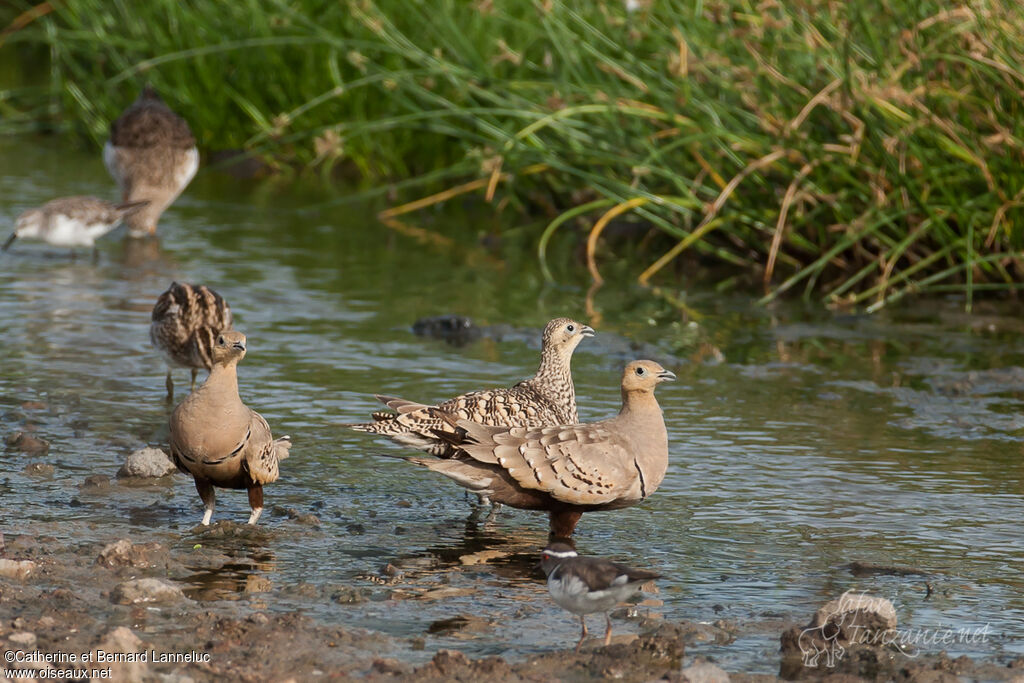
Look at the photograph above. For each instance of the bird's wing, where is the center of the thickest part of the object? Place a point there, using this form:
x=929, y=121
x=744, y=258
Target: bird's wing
x=580, y=464
x=263, y=452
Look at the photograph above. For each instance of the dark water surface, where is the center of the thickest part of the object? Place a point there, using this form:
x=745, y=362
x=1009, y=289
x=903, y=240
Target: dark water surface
x=820, y=441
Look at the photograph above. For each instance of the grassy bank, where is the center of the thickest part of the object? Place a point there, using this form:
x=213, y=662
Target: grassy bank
x=850, y=151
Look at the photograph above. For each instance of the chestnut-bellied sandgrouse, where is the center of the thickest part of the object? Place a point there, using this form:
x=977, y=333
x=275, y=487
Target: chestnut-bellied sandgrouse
x=546, y=398
x=585, y=585
x=220, y=441
x=185, y=324
x=71, y=221
x=566, y=469
x=152, y=155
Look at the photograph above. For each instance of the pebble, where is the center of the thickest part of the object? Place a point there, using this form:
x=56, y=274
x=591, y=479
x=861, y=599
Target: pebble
x=27, y=443
x=16, y=569
x=95, y=482
x=145, y=590
x=124, y=553
x=147, y=463
x=349, y=595
x=24, y=639
x=705, y=672
x=39, y=469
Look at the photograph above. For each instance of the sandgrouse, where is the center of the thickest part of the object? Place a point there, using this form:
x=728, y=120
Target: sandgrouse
x=152, y=155
x=186, y=322
x=71, y=221
x=546, y=398
x=584, y=585
x=566, y=469
x=220, y=441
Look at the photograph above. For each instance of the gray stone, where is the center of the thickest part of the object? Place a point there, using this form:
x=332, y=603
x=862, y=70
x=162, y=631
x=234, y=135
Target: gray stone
x=139, y=591
x=124, y=553
x=146, y=463
x=705, y=672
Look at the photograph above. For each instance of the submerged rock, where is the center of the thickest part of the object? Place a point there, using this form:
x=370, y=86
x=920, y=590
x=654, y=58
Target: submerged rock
x=147, y=463
x=845, y=635
x=39, y=469
x=139, y=591
x=705, y=672
x=94, y=483
x=27, y=443
x=457, y=330
x=124, y=553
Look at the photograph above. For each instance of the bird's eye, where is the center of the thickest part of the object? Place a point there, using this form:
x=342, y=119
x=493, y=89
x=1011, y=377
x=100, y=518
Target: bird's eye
x=640, y=371
x=571, y=328
x=220, y=341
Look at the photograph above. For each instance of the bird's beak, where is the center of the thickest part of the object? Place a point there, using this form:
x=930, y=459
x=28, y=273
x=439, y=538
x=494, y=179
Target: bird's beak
x=587, y=331
x=239, y=345
x=10, y=239
x=667, y=376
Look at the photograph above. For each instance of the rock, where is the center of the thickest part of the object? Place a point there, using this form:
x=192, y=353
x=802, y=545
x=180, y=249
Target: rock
x=139, y=591
x=460, y=623
x=95, y=482
x=254, y=583
x=304, y=519
x=39, y=469
x=457, y=330
x=23, y=639
x=124, y=553
x=705, y=672
x=16, y=569
x=147, y=463
x=121, y=639
x=349, y=595
x=446, y=592
x=851, y=621
x=27, y=443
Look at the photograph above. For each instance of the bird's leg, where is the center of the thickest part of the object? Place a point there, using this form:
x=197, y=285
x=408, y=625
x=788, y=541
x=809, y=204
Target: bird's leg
x=170, y=386
x=583, y=635
x=192, y=387
x=255, y=502
x=608, y=633
x=206, y=492
x=95, y=254
x=563, y=523
x=493, y=514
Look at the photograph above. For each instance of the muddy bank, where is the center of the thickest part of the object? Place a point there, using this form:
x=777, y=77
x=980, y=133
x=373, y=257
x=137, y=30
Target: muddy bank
x=132, y=608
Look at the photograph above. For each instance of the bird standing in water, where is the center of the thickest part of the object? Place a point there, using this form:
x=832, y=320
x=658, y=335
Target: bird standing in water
x=585, y=585
x=152, y=155
x=219, y=440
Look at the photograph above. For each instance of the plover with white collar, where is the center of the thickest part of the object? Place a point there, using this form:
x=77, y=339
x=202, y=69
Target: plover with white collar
x=585, y=585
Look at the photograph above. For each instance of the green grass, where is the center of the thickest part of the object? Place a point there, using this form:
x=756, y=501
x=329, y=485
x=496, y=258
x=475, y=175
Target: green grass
x=852, y=152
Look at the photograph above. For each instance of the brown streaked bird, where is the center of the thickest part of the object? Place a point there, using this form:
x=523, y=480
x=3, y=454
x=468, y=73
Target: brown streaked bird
x=185, y=324
x=566, y=469
x=585, y=585
x=152, y=155
x=219, y=440
x=71, y=221
x=546, y=398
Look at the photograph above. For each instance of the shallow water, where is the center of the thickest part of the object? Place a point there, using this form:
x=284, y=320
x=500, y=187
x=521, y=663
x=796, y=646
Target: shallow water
x=821, y=440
